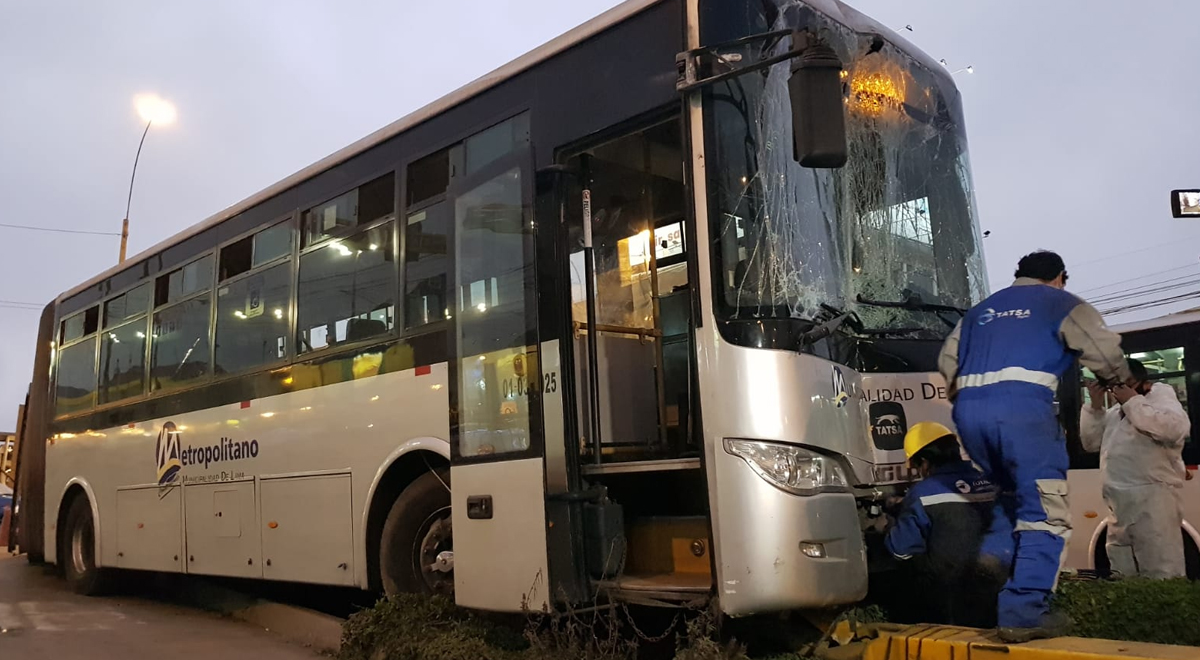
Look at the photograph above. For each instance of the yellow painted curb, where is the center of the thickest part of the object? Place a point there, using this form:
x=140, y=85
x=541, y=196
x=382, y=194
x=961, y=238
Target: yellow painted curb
x=952, y=643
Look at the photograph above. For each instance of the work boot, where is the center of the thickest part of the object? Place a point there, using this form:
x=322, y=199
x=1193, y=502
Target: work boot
x=1052, y=624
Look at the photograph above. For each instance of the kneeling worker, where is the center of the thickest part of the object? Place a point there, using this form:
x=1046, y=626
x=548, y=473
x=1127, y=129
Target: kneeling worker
x=950, y=532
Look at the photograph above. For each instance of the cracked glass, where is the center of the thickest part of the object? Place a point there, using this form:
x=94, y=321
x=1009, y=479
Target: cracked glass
x=896, y=223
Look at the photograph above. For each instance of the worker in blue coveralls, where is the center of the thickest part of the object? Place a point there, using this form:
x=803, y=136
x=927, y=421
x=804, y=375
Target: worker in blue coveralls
x=949, y=534
x=1002, y=364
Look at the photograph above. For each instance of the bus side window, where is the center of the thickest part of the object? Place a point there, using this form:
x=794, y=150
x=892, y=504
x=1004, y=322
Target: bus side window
x=180, y=343
x=123, y=345
x=75, y=384
x=359, y=207
x=426, y=241
x=252, y=320
x=75, y=372
x=1072, y=397
x=256, y=251
x=347, y=290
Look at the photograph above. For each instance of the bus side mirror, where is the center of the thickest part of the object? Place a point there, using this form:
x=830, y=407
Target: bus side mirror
x=1185, y=203
x=818, y=111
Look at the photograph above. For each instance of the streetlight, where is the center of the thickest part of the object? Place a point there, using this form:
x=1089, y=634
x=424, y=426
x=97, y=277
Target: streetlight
x=153, y=109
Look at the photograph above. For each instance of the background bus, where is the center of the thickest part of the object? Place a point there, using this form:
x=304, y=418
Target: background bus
x=586, y=324
x=1168, y=346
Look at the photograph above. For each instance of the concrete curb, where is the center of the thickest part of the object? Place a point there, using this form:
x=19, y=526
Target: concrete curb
x=316, y=630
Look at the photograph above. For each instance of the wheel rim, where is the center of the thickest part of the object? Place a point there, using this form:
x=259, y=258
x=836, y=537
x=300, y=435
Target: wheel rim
x=434, y=538
x=81, y=548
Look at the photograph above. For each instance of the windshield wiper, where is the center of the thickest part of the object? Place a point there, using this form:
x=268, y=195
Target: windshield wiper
x=836, y=319
x=901, y=332
x=913, y=303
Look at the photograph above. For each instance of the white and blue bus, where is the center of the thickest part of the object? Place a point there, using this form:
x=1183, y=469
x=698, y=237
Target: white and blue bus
x=645, y=312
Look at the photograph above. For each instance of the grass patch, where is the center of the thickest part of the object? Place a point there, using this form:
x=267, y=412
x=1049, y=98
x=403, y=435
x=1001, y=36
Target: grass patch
x=1135, y=610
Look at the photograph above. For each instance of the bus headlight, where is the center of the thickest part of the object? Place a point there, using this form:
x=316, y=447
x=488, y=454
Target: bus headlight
x=790, y=468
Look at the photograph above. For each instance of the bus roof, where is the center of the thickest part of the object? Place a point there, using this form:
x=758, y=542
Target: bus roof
x=1178, y=318
x=479, y=85
x=835, y=9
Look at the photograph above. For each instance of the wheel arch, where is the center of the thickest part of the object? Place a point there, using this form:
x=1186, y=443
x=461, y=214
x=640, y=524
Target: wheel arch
x=76, y=487
x=1192, y=558
x=1095, y=542
x=403, y=466
x=1100, y=535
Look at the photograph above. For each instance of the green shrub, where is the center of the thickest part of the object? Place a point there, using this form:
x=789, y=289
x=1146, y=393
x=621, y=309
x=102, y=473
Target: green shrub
x=1136, y=610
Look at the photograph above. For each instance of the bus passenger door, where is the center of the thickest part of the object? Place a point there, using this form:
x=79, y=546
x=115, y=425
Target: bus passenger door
x=497, y=476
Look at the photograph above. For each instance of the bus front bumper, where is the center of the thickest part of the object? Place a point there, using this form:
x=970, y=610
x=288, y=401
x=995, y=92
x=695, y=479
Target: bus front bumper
x=779, y=551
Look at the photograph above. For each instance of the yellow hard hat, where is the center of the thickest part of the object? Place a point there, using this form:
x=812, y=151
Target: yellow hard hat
x=922, y=435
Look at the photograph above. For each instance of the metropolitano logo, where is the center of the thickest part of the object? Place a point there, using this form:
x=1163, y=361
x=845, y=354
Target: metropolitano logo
x=167, y=454
x=841, y=395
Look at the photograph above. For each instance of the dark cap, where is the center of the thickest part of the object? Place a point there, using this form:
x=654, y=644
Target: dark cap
x=1041, y=265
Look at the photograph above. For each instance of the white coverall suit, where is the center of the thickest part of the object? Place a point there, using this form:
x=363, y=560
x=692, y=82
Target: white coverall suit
x=1140, y=444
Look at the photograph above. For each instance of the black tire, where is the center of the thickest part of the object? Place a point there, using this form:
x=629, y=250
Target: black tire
x=416, y=531
x=77, y=551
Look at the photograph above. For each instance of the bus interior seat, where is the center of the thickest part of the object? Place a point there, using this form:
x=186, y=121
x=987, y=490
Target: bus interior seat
x=364, y=328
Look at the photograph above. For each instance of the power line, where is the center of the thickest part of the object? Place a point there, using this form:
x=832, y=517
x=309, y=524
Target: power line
x=18, y=302
x=1151, y=303
x=61, y=231
x=1122, y=254
x=1146, y=289
x=1127, y=280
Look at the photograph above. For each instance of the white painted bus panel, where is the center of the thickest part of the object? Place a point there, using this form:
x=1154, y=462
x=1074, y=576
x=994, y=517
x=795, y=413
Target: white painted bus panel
x=149, y=528
x=357, y=427
x=1089, y=512
x=500, y=563
x=222, y=529
x=307, y=529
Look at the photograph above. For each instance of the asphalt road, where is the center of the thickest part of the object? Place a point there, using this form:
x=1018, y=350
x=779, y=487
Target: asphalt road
x=41, y=618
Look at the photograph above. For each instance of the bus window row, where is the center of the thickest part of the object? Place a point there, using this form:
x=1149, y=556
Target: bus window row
x=232, y=311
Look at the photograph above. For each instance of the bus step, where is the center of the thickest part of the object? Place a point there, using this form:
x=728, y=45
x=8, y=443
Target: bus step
x=629, y=467
x=688, y=583
x=688, y=590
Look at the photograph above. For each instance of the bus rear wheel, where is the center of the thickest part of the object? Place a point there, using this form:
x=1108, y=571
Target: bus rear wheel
x=416, y=548
x=77, y=552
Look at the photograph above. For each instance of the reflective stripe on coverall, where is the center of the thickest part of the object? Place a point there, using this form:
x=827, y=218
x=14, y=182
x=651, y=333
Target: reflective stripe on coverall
x=1140, y=446
x=1002, y=364
x=958, y=545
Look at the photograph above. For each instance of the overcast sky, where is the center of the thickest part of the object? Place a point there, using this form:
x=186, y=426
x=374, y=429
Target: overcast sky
x=1081, y=116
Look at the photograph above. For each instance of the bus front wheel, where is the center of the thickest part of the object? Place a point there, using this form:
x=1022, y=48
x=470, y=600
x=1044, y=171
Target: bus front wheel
x=77, y=552
x=416, y=548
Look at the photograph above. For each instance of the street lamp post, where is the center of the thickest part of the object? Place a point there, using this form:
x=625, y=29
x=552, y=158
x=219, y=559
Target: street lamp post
x=151, y=108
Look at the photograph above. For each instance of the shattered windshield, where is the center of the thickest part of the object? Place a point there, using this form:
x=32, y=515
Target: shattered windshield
x=896, y=223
